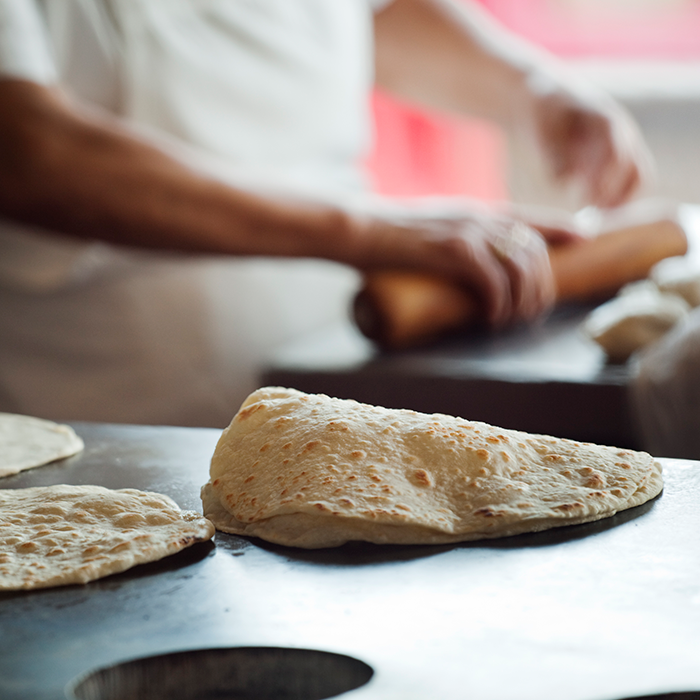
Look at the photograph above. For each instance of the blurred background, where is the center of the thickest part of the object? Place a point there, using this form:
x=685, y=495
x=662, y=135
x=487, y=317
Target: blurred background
x=646, y=53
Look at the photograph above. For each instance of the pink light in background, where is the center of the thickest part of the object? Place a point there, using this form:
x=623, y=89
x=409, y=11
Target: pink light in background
x=620, y=28
x=422, y=154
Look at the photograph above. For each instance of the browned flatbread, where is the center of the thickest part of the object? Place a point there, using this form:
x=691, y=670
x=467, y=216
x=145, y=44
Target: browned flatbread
x=313, y=471
x=58, y=535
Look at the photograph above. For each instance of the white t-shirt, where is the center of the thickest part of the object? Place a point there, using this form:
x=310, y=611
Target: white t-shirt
x=268, y=92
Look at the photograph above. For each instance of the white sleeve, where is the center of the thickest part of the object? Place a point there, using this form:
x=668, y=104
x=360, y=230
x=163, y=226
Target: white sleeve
x=24, y=48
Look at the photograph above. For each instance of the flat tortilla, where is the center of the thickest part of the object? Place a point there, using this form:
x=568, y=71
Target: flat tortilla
x=27, y=442
x=59, y=535
x=312, y=471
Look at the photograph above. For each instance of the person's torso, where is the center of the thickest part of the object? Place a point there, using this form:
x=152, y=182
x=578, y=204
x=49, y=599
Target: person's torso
x=266, y=93
x=276, y=87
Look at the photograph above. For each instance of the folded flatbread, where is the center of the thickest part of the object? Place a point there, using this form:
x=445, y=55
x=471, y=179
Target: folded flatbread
x=58, y=535
x=27, y=442
x=314, y=471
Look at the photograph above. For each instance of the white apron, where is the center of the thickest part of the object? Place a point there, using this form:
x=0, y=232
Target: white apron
x=268, y=92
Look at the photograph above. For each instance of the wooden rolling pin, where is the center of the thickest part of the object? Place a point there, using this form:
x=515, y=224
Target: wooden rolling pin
x=399, y=309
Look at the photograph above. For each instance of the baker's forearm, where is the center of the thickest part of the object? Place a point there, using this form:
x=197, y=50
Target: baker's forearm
x=450, y=56
x=88, y=177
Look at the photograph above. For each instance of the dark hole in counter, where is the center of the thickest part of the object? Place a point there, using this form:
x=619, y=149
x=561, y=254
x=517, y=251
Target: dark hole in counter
x=237, y=673
x=687, y=695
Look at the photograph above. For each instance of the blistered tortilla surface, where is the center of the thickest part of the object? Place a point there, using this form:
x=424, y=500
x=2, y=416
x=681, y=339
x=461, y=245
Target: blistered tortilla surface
x=60, y=535
x=313, y=471
x=27, y=442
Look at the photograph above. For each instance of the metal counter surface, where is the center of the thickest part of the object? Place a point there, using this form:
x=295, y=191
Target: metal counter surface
x=592, y=612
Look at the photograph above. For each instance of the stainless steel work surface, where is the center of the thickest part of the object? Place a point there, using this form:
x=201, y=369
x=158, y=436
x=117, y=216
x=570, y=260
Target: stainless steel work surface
x=591, y=612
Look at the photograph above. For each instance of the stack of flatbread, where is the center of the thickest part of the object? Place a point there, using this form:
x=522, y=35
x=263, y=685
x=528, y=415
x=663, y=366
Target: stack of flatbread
x=314, y=471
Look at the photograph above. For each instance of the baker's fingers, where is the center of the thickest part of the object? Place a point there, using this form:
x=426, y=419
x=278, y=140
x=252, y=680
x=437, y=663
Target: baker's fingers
x=502, y=261
x=556, y=226
x=480, y=269
x=589, y=138
x=523, y=254
x=613, y=159
x=532, y=284
x=556, y=236
x=614, y=179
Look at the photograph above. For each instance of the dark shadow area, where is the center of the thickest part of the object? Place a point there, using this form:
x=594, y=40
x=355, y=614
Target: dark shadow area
x=239, y=673
x=186, y=557
x=688, y=695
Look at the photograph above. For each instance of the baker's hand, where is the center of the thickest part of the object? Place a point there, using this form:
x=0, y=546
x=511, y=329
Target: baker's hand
x=587, y=136
x=503, y=261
